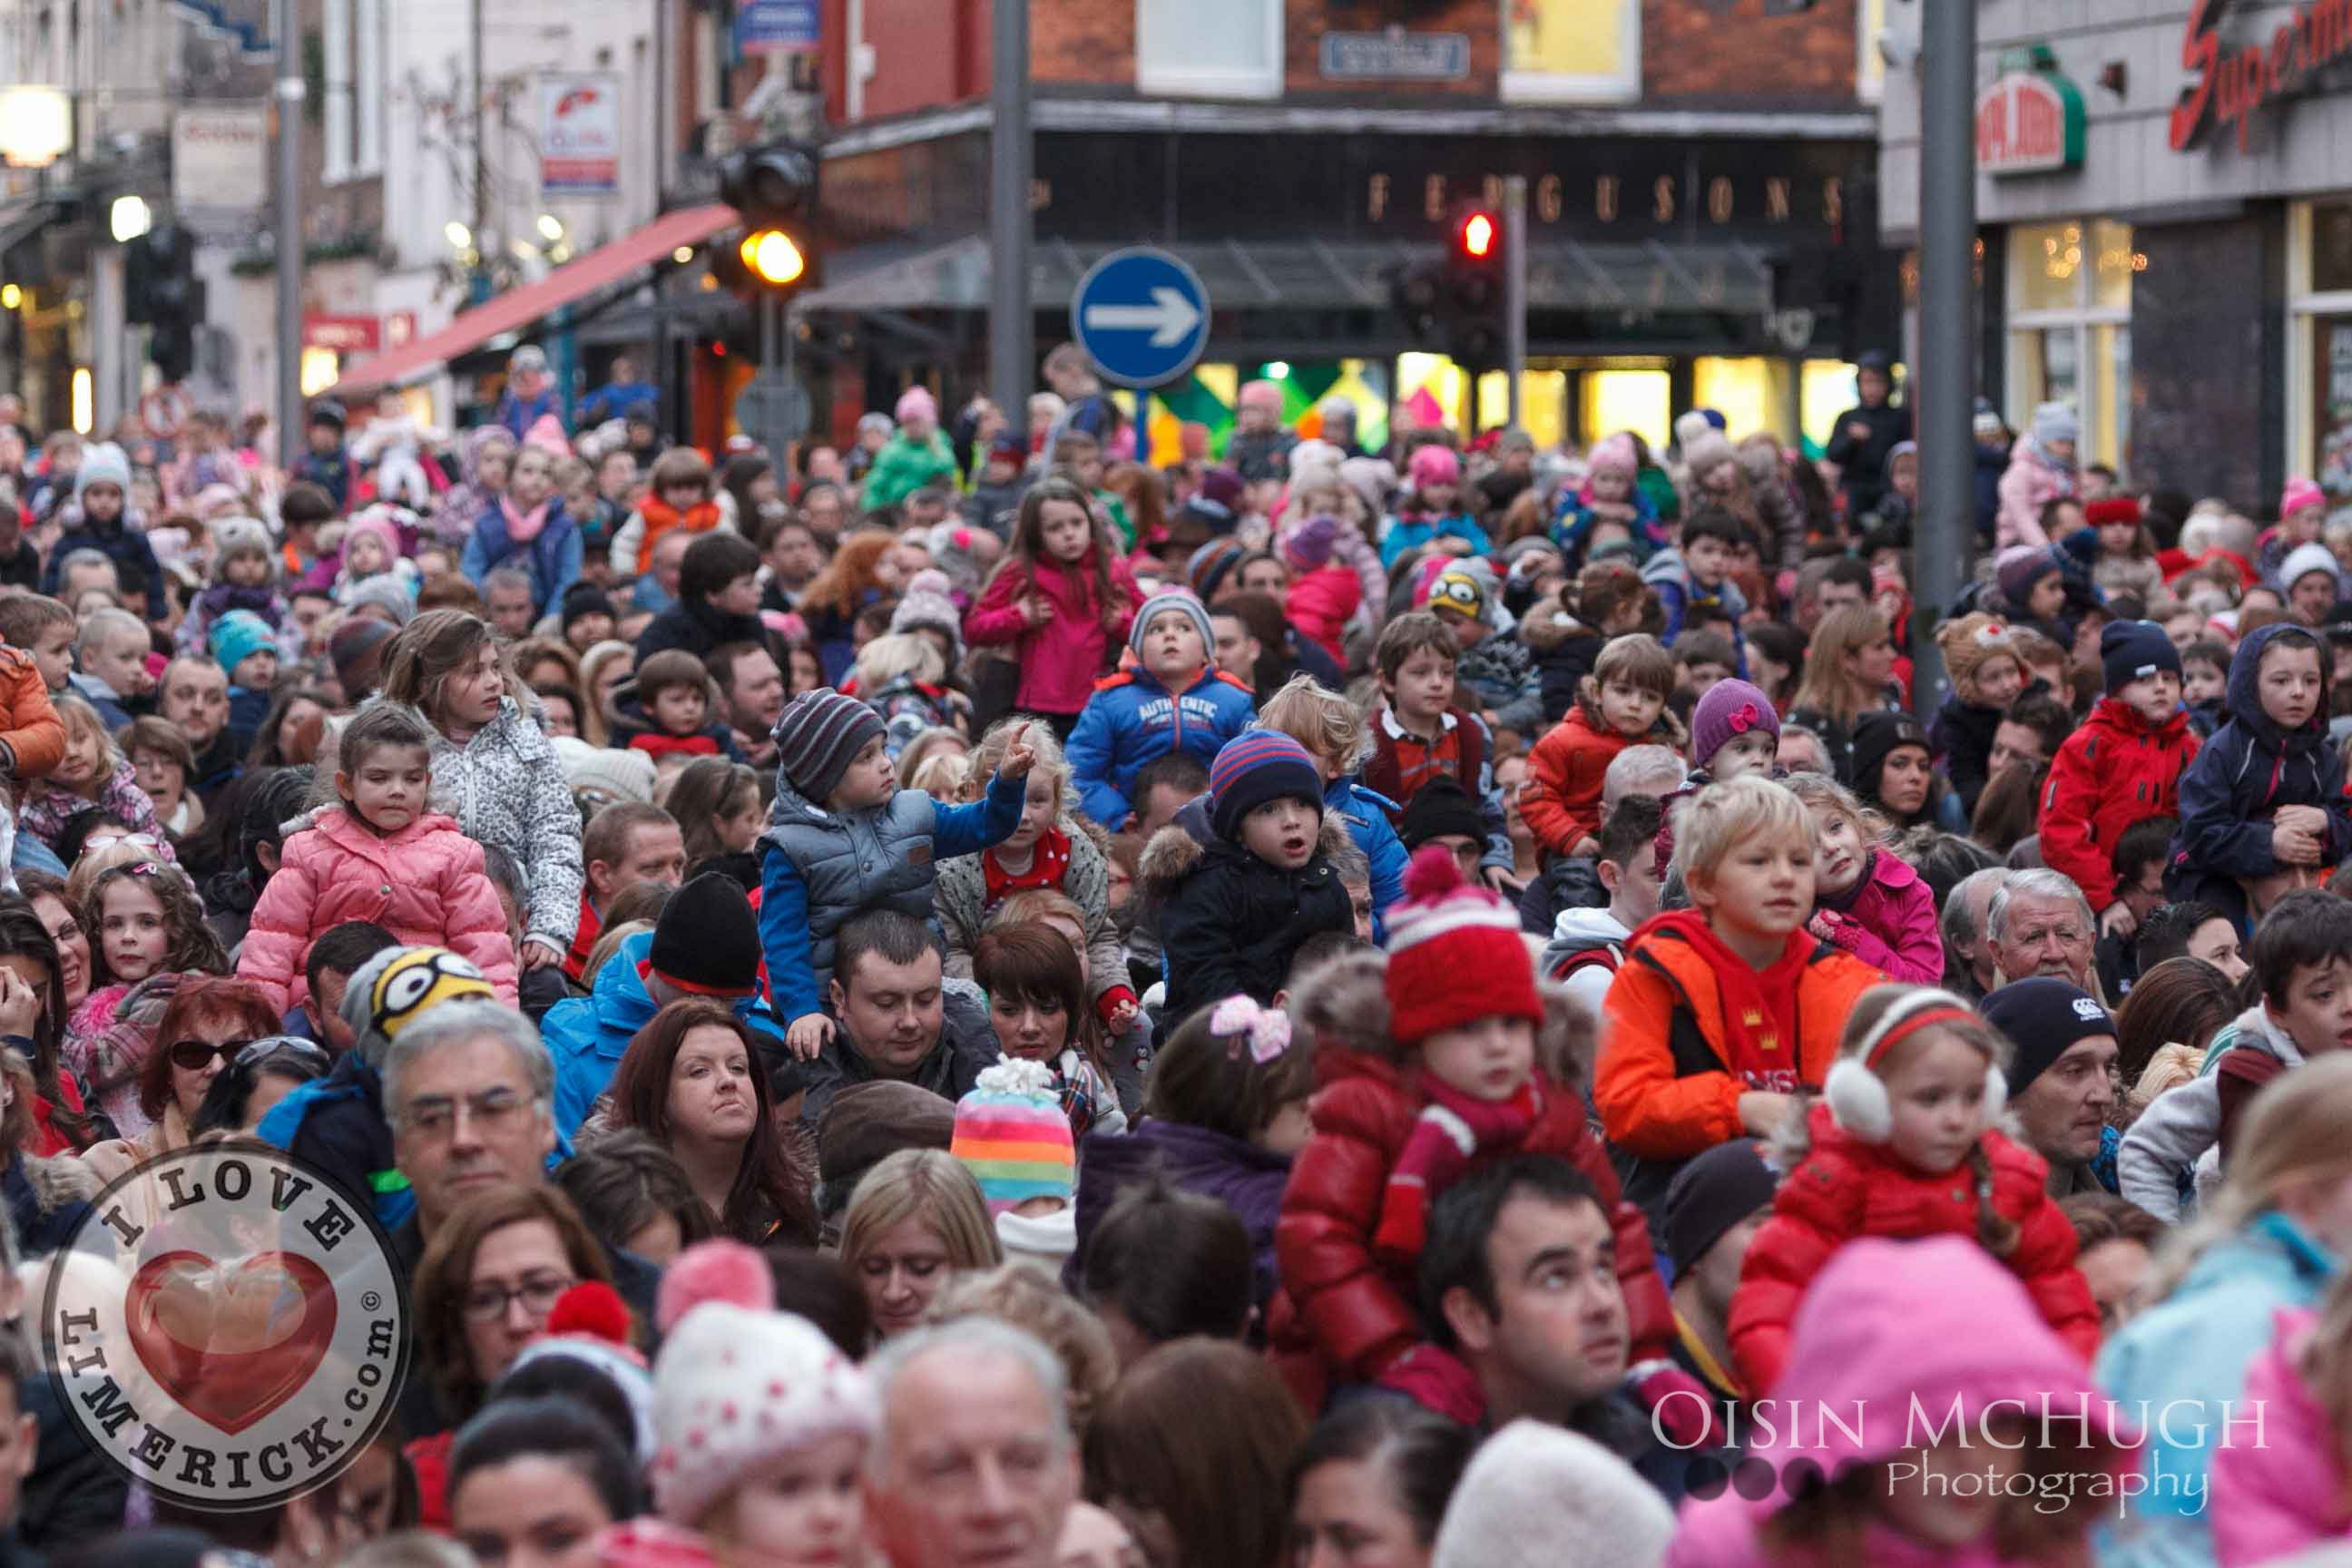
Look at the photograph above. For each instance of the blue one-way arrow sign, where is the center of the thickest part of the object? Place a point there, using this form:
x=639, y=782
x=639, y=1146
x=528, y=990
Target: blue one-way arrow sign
x=1142, y=315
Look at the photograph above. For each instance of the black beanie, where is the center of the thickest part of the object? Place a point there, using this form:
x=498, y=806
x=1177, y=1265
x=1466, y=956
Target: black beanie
x=707, y=939
x=584, y=599
x=1442, y=807
x=2042, y=1018
x=1874, y=736
x=1710, y=1195
x=2129, y=650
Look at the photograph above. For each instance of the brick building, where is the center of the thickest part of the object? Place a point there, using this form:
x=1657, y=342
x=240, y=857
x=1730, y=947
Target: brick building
x=1701, y=176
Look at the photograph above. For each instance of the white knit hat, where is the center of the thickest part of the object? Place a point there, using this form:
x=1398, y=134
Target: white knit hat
x=618, y=775
x=733, y=1389
x=1533, y=1486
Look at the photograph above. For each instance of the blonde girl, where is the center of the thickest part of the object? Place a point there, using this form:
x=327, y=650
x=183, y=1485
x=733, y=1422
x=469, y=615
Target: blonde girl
x=493, y=768
x=2268, y=1241
x=1867, y=899
x=916, y=1221
x=1912, y=1097
x=94, y=772
x=602, y=669
x=1849, y=671
x=1051, y=850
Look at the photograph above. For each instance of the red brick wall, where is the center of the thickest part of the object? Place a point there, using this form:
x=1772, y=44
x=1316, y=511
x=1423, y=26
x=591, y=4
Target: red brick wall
x=1694, y=52
x=1702, y=51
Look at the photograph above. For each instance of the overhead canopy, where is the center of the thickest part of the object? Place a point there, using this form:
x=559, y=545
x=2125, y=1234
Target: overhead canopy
x=1563, y=274
x=519, y=308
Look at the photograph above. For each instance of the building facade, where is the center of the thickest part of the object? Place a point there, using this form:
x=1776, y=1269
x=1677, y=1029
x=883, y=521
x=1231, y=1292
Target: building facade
x=2167, y=231
x=1701, y=177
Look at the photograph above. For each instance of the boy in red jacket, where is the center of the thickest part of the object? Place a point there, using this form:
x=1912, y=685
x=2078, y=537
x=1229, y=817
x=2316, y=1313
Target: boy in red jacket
x=2122, y=766
x=1428, y=1068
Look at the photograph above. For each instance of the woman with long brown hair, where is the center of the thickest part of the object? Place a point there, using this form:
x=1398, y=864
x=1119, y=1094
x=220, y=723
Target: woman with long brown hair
x=493, y=767
x=694, y=1081
x=862, y=571
x=1849, y=671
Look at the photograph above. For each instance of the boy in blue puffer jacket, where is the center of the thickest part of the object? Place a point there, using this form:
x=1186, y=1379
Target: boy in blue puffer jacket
x=842, y=839
x=1174, y=697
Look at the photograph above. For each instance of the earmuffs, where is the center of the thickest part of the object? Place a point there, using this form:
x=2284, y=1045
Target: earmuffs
x=1857, y=1095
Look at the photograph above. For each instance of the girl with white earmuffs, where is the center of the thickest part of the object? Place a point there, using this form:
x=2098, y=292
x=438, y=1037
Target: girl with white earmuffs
x=1902, y=1145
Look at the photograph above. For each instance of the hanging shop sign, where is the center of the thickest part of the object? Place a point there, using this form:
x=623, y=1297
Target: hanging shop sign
x=2030, y=120
x=2233, y=82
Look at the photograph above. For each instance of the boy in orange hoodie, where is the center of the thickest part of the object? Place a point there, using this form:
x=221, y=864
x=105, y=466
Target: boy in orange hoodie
x=1724, y=1015
x=1621, y=702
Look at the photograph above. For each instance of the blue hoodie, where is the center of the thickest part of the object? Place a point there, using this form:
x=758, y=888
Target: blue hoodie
x=2249, y=769
x=587, y=1035
x=1131, y=719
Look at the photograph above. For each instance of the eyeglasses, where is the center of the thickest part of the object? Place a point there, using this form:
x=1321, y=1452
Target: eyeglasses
x=193, y=1056
x=488, y=1303
x=286, y=1045
x=492, y=1111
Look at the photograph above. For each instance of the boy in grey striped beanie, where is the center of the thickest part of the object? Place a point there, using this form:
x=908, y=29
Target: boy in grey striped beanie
x=845, y=840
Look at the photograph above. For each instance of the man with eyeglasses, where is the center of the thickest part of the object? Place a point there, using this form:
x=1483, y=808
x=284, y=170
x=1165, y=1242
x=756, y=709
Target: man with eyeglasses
x=469, y=1091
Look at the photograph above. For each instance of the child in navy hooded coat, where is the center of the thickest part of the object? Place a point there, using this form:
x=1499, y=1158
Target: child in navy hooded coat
x=2272, y=755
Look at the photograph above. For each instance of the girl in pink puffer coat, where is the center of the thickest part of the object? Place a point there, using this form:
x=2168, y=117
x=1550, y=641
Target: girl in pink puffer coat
x=2280, y=1488
x=382, y=857
x=1866, y=899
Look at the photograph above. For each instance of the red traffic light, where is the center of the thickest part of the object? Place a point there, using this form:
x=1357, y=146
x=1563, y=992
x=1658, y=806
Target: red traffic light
x=1478, y=234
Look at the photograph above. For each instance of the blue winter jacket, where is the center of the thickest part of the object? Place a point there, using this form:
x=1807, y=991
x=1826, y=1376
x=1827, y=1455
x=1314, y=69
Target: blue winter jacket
x=2239, y=778
x=586, y=1035
x=2174, y=1368
x=1366, y=812
x=552, y=559
x=793, y=950
x=1670, y=575
x=1412, y=533
x=1131, y=719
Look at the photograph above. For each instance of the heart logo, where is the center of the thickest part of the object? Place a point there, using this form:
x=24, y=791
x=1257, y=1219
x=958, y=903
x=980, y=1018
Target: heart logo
x=231, y=1342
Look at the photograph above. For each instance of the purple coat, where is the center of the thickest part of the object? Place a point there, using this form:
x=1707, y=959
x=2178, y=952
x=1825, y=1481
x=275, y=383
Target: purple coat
x=1240, y=1175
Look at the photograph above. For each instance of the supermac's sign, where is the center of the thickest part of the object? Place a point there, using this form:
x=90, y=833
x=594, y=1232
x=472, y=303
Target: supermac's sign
x=2230, y=83
x=2030, y=122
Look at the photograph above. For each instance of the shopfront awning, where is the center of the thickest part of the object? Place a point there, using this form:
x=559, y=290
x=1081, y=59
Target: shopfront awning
x=519, y=308
x=1315, y=275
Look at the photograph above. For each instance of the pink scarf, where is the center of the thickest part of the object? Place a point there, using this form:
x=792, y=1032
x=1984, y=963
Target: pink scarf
x=522, y=527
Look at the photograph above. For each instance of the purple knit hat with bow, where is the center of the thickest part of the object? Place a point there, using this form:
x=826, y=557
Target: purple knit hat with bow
x=1729, y=710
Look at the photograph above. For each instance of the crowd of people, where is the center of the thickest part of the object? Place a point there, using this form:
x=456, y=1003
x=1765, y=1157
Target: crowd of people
x=971, y=998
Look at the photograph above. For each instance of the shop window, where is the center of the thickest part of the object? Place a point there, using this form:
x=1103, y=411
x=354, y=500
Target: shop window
x=2070, y=328
x=1869, y=65
x=1641, y=401
x=1543, y=403
x=2319, y=343
x=1825, y=390
x=1209, y=49
x=1571, y=51
x=1751, y=395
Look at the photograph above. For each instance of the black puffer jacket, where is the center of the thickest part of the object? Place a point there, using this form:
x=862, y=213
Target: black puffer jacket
x=1231, y=924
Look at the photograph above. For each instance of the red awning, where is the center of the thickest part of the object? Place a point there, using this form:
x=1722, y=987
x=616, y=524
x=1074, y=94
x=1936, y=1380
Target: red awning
x=518, y=308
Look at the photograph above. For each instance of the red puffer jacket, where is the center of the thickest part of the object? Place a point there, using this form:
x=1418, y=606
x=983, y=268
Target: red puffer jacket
x=2113, y=772
x=424, y=884
x=1845, y=1188
x=1355, y=1312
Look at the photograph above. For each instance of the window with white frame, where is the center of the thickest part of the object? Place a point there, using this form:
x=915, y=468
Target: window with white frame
x=1571, y=51
x=2319, y=343
x=2070, y=327
x=1209, y=49
x=351, y=37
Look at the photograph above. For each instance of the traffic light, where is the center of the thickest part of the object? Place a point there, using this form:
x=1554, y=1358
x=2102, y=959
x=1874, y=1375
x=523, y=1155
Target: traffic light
x=160, y=291
x=1474, y=290
x=775, y=189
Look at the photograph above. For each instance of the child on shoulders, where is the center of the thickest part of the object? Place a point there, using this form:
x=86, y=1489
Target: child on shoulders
x=1622, y=703
x=667, y=714
x=2124, y=766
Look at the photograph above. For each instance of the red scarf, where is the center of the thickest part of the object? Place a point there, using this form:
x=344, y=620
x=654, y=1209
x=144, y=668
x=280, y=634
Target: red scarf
x=1760, y=1007
x=1433, y=1159
x=667, y=745
x=1048, y=860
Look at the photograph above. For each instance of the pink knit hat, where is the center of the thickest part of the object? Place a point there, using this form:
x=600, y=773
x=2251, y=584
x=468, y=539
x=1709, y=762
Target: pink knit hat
x=917, y=402
x=1434, y=465
x=2299, y=493
x=1614, y=453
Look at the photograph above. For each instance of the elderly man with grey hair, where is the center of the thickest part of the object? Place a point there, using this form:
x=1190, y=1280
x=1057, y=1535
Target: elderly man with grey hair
x=1968, y=967
x=975, y=1462
x=2040, y=923
x=469, y=1091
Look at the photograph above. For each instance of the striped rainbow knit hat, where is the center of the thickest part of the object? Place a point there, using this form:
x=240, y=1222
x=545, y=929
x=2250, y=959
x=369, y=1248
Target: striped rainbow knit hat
x=1013, y=1134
